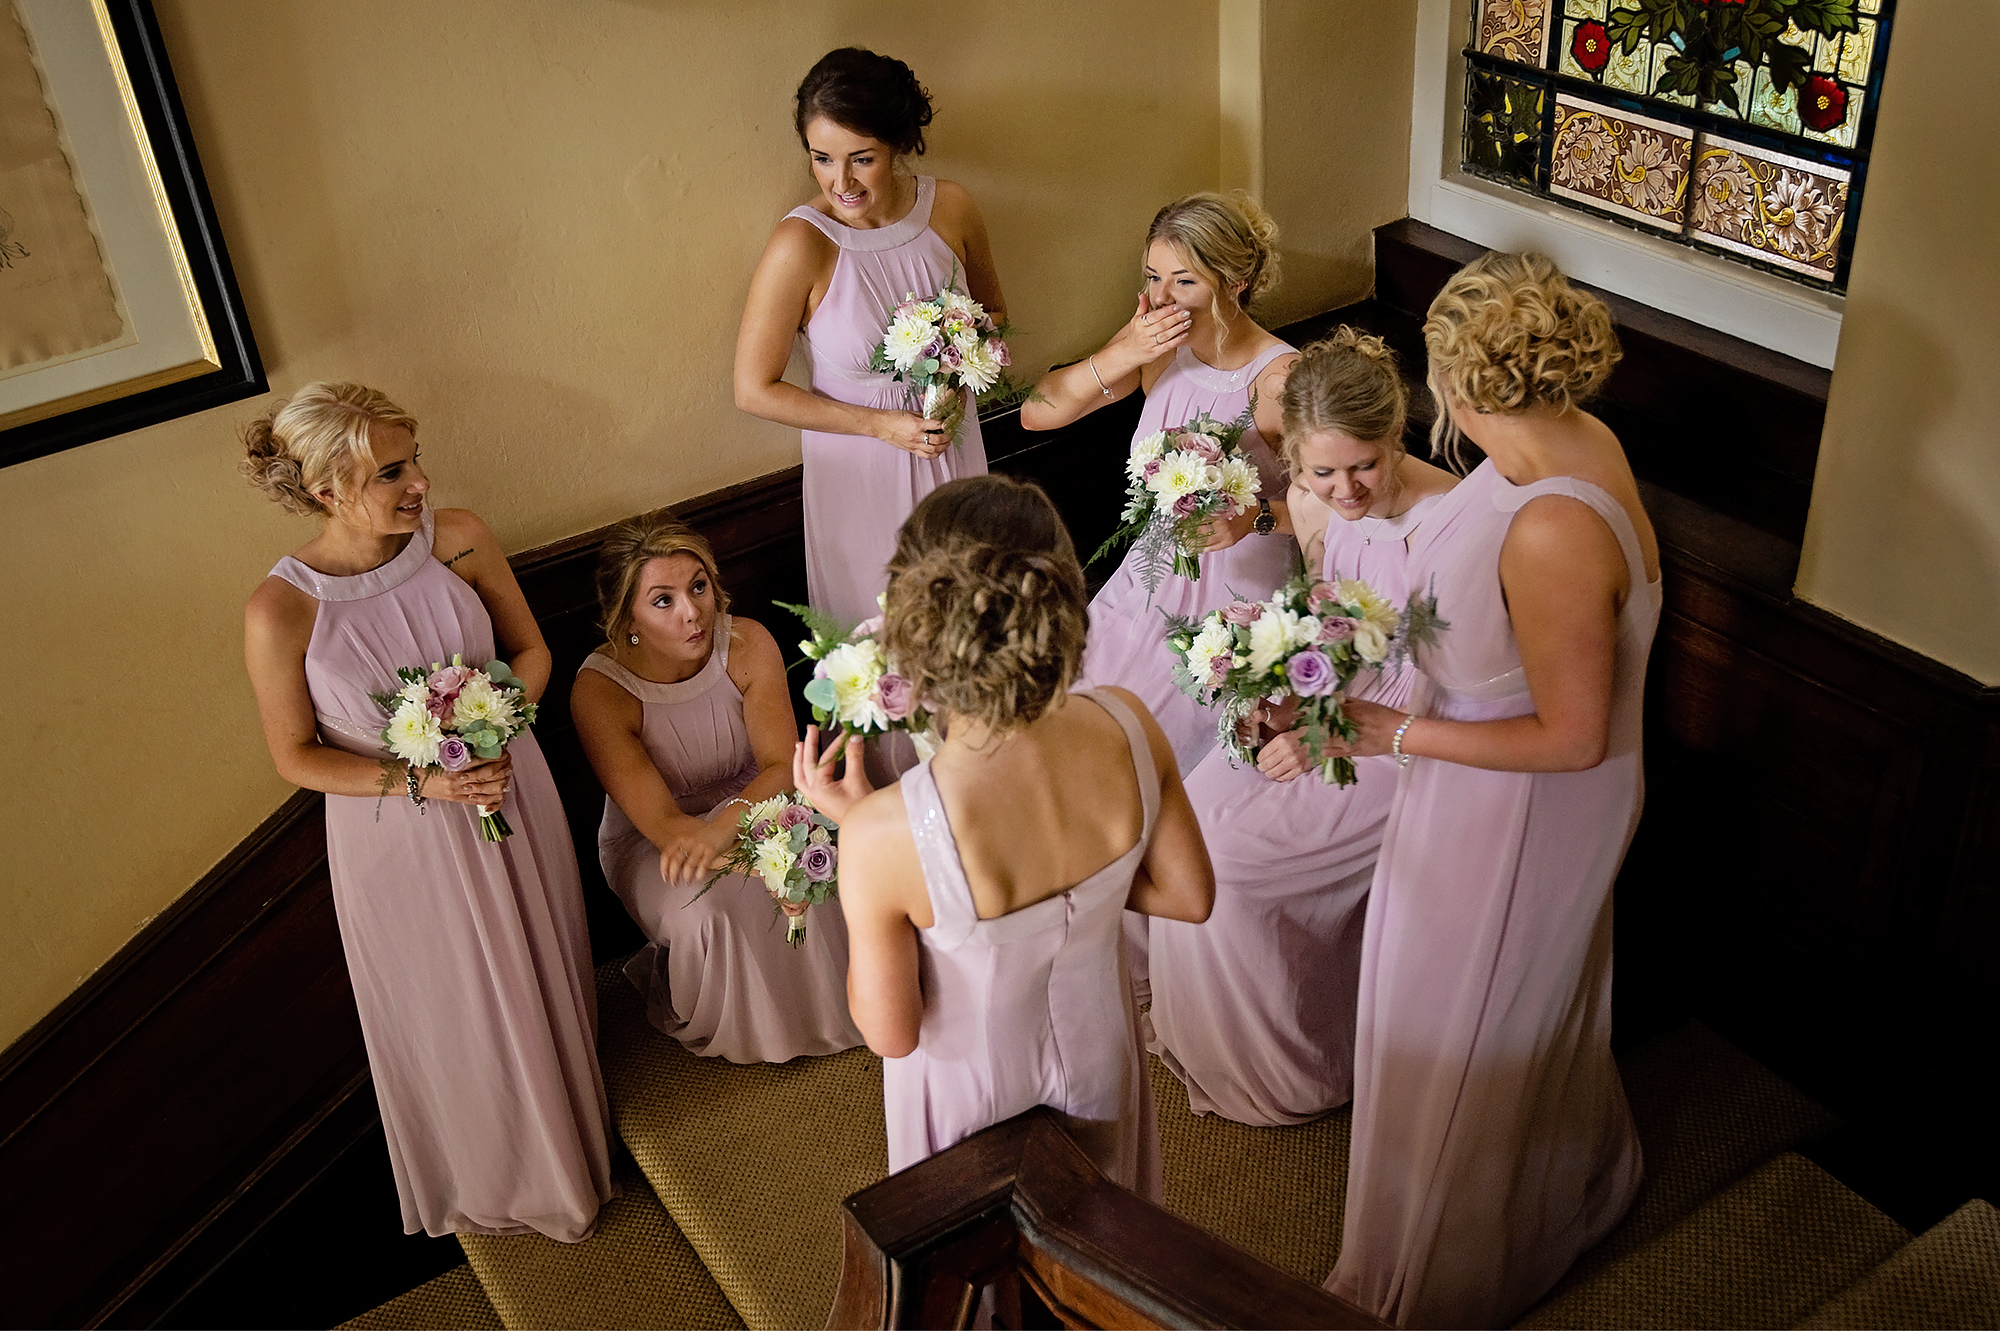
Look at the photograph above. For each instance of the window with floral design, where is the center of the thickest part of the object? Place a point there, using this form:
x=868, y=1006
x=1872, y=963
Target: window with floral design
x=1739, y=126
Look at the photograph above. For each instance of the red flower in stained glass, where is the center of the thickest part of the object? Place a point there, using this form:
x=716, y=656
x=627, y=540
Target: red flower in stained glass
x=1822, y=103
x=1591, y=46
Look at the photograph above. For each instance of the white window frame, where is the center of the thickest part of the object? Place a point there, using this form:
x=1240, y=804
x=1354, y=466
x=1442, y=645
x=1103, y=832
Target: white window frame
x=1799, y=321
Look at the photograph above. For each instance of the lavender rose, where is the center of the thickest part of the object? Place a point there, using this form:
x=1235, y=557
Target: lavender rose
x=454, y=754
x=1187, y=506
x=894, y=691
x=1335, y=628
x=1151, y=469
x=818, y=860
x=1242, y=613
x=1311, y=674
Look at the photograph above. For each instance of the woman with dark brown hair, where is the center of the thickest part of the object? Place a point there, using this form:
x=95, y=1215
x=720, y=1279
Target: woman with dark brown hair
x=984, y=891
x=686, y=717
x=831, y=275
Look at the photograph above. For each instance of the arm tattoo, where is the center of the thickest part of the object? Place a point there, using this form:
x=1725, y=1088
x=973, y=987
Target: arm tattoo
x=455, y=558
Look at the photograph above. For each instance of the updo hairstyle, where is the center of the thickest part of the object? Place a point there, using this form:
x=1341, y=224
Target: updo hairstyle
x=1509, y=333
x=986, y=610
x=317, y=441
x=635, y=543
x=875, y=95
x=1347, y=382
x=1229, y=242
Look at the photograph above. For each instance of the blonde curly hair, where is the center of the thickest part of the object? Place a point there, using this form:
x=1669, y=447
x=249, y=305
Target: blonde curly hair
x=1508, y=333
x=986, y=610
x=1348, y=382
x=1229, y=242
x=317, y=442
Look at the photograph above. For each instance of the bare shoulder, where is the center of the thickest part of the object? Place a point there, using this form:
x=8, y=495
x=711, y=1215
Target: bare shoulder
x=797, y=241
x=879, y=824
x=1156, y=738
x=1423, y=479
x=751, y=646
x=278, y=611
x=595, y=694
x=457, y=525
x=951, y=199
x=1557, y=532
x=1271, y=381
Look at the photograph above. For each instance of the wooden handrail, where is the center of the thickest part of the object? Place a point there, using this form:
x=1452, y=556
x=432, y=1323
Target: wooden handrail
x=1020, y=1204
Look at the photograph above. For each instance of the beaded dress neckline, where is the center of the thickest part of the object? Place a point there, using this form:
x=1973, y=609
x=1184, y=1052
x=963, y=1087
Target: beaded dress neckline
x=906, y=228
x=1224, y=381
x=686, y=690
x=360, y=586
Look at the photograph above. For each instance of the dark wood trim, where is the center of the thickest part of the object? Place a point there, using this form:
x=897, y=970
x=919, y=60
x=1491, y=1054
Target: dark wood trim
x=1021, y=1202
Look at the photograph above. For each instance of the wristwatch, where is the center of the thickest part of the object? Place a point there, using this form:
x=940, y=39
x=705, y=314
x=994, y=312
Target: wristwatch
x=1267, y=521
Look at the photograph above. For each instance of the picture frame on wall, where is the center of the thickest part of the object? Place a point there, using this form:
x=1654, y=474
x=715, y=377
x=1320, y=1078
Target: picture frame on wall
x=118, y=305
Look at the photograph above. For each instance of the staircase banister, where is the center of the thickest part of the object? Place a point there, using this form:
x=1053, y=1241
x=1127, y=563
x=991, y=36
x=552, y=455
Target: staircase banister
x=1021, y=1201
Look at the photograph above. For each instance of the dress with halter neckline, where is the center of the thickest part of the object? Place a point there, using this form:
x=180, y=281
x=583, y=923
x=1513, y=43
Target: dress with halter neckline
x=718, y=974
x=470, y=959
x=859, y=489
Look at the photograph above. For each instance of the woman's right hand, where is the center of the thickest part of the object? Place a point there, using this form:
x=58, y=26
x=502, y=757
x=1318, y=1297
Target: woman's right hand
x=481, y=783
x=912, y=433
x=812, y=774
x=1150, y=334
x=1284, y=757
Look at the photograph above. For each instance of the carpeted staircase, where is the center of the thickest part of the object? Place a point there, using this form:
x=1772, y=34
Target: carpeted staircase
x=731, y=1219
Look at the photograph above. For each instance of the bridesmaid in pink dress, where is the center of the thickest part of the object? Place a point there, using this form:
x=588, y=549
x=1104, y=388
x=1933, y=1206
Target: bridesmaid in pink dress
x=1492, y=1143
x=983, y=892
x=470, y=960
x=1190, y=347
x=686, y=717
x=1254, y=1010
x=830, y=276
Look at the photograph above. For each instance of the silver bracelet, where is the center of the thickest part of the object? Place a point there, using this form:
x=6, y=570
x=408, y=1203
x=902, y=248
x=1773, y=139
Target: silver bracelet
x=414, y=785
x=1091, y=360
x=1396, y=744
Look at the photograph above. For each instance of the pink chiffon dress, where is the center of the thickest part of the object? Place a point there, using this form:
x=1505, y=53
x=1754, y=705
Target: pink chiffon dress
x=1254, y=1009
x=1492, y=1142
x=1028, y=1008
x=1128, y=640
x=718, y=975
x=470, y=959
x=858, y=489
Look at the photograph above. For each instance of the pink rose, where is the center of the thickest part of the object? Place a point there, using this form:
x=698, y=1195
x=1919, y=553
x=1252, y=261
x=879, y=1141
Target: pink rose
x=1151, y=469
x=1187, y=506
x=894, y=691
x=1001, y=355
x=1202, y=447
x=1334, y=628
x=761, y=829
x=952, y=358
x=1320, y=595
x=1218, y=669
x=867, y=628
x=1242, y=613
x=792, y=815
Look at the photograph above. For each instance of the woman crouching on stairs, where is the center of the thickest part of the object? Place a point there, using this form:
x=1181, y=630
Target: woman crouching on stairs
x=984, y=890
x=685, y=715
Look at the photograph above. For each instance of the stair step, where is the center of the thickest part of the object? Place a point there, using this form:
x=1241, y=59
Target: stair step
x=1948, y=1277
x=453, y=1301
x=750, y=1160
x=1274, y=1192
x=636, y=1270
x=1764, y=1253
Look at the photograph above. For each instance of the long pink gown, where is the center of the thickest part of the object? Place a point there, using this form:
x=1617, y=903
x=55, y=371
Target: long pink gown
x=858, y=489
x=1029, y=1008
x=1492, y=1142
x=470, y=959
x=1127, y=632
x=1254, y=1009
x=718, y=975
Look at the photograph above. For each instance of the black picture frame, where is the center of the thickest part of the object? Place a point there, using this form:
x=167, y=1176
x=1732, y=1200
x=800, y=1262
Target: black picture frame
x=240, y=371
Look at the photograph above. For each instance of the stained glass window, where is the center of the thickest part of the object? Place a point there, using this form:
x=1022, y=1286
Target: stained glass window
x=1738, y=126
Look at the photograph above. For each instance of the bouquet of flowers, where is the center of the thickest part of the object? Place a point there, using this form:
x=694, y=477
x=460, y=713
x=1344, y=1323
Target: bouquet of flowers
x=1177, y=480
x=446, y=717
x=939, y=345
x=855, y=686
x=1309, y=640
x=788, y=844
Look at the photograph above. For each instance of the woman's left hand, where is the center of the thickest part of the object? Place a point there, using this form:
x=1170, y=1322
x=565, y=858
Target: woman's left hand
x=1284, y=757
x=1219, y=533
x=812, y=773
x=1377, y=725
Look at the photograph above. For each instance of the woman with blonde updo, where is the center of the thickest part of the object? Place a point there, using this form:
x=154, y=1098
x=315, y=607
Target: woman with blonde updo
x=1191, y=346
x=1254, y=1010
x=983, y=891
x=470, y=960
x=1492, y=1143
x=686, y=716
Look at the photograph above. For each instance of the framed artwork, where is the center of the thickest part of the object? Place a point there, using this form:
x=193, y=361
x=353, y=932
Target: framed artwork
x=118, y=307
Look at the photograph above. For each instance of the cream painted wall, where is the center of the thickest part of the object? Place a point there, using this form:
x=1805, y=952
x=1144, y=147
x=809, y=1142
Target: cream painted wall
x=532, y=222
x=1904, y=534
x=1320, y=130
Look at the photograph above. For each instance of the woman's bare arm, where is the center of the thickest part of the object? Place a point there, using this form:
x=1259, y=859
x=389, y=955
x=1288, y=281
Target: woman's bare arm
x=1175, y=879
